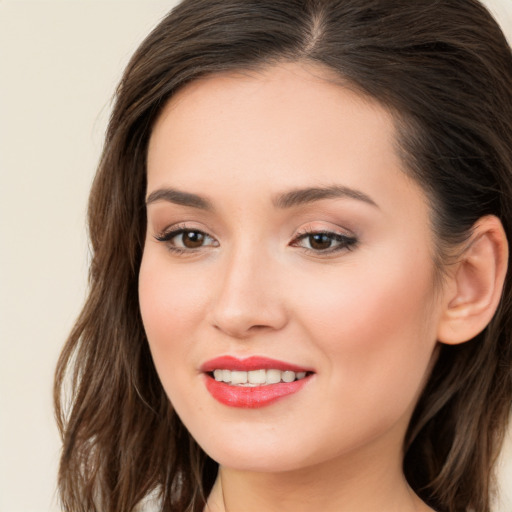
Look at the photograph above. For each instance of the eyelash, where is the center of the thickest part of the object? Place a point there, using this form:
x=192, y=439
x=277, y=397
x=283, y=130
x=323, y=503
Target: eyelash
x=167, y=236
x=344, y=242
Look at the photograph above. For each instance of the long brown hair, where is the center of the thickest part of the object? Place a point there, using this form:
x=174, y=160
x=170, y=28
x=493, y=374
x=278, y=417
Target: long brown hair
x=444, y=70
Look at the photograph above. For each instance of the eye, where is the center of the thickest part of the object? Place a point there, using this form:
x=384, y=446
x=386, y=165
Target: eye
x=324, y=241
x=183, y=239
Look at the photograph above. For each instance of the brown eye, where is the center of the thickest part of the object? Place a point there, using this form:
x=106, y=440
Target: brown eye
x=192, y=239
x=180, y=240
x=325, y=242
x=320, y=241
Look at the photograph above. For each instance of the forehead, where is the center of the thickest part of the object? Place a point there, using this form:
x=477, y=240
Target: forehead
x=290, y=116
x=282, y=127
x=298, y=89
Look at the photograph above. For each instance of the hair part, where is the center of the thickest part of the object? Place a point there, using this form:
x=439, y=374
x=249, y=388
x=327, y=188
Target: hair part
x=444, y=70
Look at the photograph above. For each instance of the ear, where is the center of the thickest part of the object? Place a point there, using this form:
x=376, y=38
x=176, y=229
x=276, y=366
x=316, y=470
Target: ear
x=474, y=286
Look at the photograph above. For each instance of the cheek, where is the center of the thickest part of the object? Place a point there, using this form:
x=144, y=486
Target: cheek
x=171, y=304
x=376, y=326
x=388, y=297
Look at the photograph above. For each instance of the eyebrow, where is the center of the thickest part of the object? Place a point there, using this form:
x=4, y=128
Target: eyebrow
x=178, y=197
x=303, y=196
x=296, y=197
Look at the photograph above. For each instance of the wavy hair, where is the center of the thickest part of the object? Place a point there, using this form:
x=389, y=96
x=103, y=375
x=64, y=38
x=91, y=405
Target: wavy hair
x=444, y=70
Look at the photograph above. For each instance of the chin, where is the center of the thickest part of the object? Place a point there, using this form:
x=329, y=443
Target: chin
x=257, y=461
x=256, y=452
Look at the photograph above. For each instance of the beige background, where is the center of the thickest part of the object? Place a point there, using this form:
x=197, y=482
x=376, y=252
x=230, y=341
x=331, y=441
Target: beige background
x=59, y=64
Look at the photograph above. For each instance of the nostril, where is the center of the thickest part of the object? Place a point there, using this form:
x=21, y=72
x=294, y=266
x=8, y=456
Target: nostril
x=241, y=309
x=259, y=327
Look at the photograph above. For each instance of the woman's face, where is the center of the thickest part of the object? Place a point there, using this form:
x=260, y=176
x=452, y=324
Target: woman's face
x=284, y=241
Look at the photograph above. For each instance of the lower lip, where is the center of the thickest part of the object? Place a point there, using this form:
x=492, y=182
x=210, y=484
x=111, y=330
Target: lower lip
x=252, y=397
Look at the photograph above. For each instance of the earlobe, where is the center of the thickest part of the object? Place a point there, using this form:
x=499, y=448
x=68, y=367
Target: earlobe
x=476, y=283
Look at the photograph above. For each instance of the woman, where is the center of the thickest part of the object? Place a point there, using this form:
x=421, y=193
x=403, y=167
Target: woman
x=299, y=292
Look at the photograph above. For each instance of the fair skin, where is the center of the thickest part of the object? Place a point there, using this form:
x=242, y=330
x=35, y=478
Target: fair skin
x=338, y=281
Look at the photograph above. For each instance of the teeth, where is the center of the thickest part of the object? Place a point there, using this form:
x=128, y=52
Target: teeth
x=238, y=377
x=273, y=376
x=288, y=376
x=256, y=377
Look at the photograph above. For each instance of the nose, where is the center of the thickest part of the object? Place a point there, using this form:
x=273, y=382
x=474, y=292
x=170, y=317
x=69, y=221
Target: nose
x=249, y=297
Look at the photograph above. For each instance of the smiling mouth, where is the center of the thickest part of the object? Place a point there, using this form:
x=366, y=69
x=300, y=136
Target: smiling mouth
x=256, y=378
x=253, y=382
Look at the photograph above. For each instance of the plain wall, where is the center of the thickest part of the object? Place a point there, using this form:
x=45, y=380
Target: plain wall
x=59, y=65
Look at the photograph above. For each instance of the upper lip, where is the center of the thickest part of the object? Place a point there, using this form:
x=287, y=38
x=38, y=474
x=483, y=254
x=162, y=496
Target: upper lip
x=248, y=364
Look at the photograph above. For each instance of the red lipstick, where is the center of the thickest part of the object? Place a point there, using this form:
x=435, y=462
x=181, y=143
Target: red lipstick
x=251, y=397
x=248, y=364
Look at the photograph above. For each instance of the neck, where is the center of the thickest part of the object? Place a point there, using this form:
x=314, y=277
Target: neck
x=352, y=486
